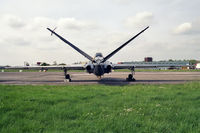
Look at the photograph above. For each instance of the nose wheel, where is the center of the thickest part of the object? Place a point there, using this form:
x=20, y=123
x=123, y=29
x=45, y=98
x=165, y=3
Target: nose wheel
x=130, y=76
x=67, y=76
x=99, y=77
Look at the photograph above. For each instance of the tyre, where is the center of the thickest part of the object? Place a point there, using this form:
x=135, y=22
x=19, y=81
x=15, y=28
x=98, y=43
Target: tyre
x=67, y=76
x=130, y=76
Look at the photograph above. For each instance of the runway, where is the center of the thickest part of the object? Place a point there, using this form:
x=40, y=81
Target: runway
x=114, y=78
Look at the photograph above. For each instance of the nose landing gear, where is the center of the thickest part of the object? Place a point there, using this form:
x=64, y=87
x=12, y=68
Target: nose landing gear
x=99, y=77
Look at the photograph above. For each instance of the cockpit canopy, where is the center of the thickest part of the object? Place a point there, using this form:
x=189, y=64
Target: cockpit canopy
x=98, y=55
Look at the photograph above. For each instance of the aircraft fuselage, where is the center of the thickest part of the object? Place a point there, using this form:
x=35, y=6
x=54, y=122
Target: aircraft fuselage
x=97, y=67
x=98, y=70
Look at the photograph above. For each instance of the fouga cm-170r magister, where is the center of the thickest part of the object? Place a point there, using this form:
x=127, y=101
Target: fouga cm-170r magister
x=98, y=65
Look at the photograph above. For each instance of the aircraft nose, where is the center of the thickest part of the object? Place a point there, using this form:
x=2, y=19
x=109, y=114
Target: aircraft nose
x=98, y=61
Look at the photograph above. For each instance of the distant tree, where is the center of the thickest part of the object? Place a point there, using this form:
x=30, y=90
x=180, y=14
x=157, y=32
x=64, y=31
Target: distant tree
x=75, y=63
x=192, y=62
x=62, y=64
x=26, y=64
x=45, y=64
x=170, y=60
x=54, y=63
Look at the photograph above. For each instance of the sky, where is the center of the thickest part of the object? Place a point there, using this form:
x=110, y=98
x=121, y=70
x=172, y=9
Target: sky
x=98, y=26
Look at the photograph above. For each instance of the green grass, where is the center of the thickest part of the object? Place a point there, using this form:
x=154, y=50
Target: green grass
x=100, y=108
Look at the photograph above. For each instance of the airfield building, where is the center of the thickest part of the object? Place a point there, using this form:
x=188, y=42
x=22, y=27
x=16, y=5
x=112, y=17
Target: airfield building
x=165, y=64
x=148, y=59
x=198, y=66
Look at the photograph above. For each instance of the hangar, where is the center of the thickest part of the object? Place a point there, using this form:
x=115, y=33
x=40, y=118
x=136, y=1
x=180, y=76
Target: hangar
x=162, y=64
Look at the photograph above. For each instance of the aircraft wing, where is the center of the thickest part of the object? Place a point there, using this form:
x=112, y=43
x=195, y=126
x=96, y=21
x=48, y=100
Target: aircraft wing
x=130, y=66
x=2, y=67
x=68, y=67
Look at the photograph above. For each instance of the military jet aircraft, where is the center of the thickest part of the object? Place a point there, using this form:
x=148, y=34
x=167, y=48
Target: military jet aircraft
x=98, y=65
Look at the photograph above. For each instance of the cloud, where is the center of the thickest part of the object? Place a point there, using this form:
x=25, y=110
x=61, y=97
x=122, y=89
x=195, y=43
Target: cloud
x=122, y=1
x=183, y=28
x=74, y=24
x=139, y=20
x=16, y=41
x=37, y=23
x=13, y=21
x=188, y=28
x=91, y=37
x=31, y=34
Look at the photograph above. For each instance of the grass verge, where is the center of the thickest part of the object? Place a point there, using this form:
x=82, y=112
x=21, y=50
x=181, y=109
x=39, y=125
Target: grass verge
x=100, y=108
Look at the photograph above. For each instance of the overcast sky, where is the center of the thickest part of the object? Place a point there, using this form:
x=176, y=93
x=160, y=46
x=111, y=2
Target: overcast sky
x=98, y=26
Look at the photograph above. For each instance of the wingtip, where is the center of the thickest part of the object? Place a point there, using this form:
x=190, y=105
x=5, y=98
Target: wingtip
x=48, y=29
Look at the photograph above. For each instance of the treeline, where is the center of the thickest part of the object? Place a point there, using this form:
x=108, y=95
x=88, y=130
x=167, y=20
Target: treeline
x=54, y=64
x=191, y=61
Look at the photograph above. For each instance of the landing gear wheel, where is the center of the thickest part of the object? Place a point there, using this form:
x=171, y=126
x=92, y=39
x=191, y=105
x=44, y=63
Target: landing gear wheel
x=130, y=78
x=67, y=76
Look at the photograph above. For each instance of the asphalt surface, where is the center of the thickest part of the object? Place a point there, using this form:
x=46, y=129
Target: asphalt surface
x=114, y=78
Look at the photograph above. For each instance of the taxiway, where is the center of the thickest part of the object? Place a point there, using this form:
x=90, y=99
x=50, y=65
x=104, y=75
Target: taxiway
x=114, y=78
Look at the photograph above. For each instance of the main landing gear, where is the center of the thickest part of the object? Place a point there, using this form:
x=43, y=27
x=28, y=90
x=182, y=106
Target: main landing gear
x=67, y=76
x=130, y=76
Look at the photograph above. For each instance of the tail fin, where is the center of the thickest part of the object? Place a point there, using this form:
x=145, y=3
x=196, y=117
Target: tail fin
x=115, y=51
x=70, y=44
